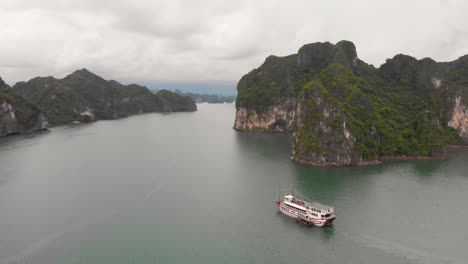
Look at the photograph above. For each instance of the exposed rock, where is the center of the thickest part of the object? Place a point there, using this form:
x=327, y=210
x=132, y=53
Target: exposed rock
x=280, y=79
x=359, y=113
x=321, y=135
x=275, y=119
x=332, y=145
x=459, y=119
x=18, y=115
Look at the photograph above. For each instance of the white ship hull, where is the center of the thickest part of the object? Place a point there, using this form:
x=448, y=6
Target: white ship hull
x=303, y=217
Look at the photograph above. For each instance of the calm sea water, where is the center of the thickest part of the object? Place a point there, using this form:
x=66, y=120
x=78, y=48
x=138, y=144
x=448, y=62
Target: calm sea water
x=186, y=188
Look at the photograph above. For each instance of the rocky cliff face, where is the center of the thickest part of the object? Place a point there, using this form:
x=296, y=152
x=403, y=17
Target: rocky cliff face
x=333, y=144
x=459, y=119
x=276, y=118
x=456, y=81
x=18, y=115
x=267, y=94
x=323, y=128
x=350, y=113
x=83, y=96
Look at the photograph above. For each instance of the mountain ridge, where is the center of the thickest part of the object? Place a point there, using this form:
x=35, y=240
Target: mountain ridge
x=84, y=96
x=81, y=96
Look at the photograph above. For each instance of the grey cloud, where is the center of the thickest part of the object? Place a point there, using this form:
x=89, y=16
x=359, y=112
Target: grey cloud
x=239, y=54
x=217, y=40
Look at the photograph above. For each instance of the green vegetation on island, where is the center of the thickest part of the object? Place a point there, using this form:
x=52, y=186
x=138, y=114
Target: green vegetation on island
x=348, y=112
x=83, y=96
x=18, y=114
x=79, y=97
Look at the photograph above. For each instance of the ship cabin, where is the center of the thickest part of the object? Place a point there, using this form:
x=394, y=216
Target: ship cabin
x=315, y=209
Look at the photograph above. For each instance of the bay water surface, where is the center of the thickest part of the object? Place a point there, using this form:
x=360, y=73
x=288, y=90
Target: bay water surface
x=187, y=188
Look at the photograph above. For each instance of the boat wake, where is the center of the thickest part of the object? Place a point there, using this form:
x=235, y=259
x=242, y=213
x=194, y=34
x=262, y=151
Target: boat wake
x=22, y=255
x=399, y=249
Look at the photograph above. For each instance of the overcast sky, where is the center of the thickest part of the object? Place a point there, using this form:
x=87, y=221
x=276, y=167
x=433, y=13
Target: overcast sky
x=213, y=41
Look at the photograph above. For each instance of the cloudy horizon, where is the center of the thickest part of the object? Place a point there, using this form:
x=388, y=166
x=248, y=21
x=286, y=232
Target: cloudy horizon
x=213, y=41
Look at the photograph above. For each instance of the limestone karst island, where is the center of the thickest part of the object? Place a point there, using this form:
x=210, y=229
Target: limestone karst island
x=79, y=97
x=342, y=111
x=233, y=132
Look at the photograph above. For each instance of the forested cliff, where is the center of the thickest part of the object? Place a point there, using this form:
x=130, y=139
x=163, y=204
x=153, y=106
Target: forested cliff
x=343, y=111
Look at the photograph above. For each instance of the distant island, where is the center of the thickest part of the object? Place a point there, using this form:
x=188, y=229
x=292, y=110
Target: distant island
x=342, y=111
x=227, y=89
x=79, y=97
x=205, y=98
x=209, y=98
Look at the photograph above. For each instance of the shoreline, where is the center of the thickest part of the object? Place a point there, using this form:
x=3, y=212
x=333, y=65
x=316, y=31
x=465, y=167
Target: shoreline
x=77, y=123
x=260, y=131
x=412, y=158
x=42, y=130
x=367, y=163
x=334, y=164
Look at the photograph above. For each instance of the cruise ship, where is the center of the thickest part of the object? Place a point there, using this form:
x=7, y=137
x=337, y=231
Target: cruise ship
x=307, y=213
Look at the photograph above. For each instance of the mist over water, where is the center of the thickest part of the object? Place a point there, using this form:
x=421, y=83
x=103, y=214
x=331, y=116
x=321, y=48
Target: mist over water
x=187, y=188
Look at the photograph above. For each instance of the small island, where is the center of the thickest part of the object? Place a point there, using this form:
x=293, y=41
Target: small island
x=342, y=111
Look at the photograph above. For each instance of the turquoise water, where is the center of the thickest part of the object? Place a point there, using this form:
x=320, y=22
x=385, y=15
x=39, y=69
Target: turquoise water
x=186, y=188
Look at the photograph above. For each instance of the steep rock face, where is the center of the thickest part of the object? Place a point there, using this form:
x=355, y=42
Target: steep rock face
x=323, y=127
x=84, y=96
x=263, y=93
x=459, y=119
x=276, y=118
x=456, y=79
x=18, y=115
x=334, y=145
x=405, y=108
